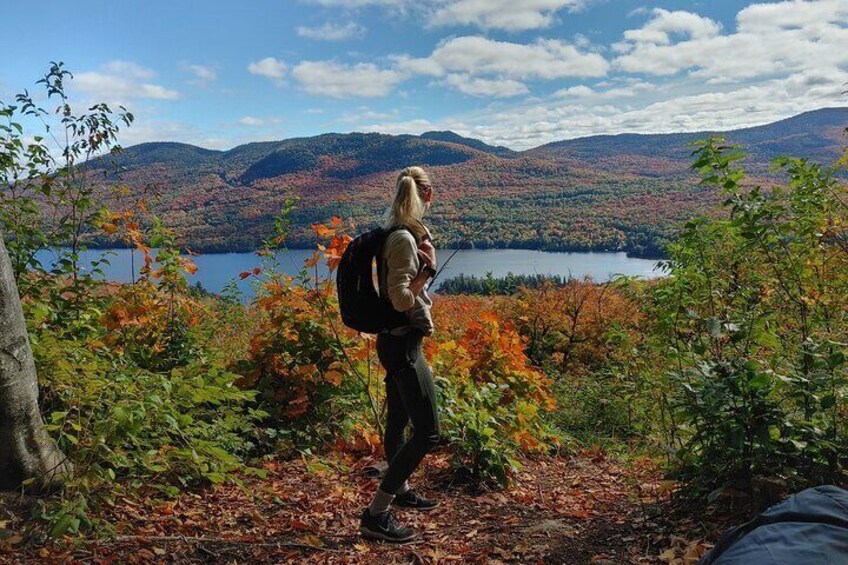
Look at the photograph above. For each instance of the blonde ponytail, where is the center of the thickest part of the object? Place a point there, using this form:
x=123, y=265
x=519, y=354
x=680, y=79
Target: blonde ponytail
x=408, y=206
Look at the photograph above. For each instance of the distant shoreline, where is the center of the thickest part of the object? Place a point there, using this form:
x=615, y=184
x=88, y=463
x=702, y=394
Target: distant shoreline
x=240, y=250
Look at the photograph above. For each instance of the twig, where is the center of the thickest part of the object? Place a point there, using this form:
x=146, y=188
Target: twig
x=457, y=250
x=465, y=240
x=208, y=552
x=325, y=310
x=220, y=541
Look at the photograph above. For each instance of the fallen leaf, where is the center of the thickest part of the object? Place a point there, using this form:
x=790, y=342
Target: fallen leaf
x=668, y=555
x=312, y=540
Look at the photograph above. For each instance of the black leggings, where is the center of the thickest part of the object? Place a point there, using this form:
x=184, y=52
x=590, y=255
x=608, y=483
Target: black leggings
x=410, y=395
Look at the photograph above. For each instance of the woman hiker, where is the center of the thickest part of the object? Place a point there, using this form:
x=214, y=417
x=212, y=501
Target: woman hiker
x=408, y=261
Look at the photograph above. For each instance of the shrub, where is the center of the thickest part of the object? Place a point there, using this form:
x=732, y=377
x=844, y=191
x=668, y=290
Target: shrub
x=493, y=400
x=131, y=389
x=125, y=424
x=754, y=317
x=317, y=379
x=583, y=334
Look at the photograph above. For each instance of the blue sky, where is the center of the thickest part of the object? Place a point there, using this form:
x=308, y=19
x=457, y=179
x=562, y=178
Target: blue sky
x=513, y=72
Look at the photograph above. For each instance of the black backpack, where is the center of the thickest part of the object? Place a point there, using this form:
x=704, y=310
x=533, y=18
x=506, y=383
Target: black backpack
x=362, y=307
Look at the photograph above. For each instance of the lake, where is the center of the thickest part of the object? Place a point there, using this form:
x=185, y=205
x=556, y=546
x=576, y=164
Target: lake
x=215, y=270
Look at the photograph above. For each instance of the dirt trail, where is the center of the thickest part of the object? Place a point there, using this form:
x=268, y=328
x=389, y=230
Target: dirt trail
x=585, y=509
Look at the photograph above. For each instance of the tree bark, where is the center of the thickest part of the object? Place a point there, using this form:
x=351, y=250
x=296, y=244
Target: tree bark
x=27, y=452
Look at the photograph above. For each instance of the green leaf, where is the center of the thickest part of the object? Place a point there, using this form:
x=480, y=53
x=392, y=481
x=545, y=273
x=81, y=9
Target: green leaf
x=760, y=380
x=65, y=524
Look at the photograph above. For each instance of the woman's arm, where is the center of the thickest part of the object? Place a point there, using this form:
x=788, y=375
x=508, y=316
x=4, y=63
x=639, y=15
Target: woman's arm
x=403, y=279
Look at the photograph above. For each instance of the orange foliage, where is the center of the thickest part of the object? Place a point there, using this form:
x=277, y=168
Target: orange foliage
x=475, y=345
x=570, y=325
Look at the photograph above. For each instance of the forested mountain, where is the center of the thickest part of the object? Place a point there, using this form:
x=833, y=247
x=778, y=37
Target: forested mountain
x=818, y=135
x=612, y=192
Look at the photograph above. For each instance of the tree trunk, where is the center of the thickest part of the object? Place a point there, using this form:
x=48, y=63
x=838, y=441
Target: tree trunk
x=26, y=450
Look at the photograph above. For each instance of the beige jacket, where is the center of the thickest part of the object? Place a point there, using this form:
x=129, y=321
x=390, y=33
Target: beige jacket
x=402, y=265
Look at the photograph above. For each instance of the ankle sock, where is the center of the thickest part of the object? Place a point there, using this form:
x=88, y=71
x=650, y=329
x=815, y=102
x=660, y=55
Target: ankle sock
x=381, y=502
x=403, y=488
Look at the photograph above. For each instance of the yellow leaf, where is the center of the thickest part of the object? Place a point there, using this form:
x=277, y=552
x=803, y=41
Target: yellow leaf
x=312, y=540
x=668, y=555
x=333, y=377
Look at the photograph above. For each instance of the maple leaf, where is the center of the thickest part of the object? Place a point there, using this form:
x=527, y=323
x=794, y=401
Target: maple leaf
x=190, y=267
x=312, y=261
x=322, y=231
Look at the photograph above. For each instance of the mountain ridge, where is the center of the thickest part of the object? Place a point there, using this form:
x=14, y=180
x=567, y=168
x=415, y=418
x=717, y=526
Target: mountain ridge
x=842, y=111
x=623, y=192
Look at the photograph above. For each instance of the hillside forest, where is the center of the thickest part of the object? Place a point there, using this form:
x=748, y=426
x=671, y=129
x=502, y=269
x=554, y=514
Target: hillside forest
x=624, y=422
x=628, y=193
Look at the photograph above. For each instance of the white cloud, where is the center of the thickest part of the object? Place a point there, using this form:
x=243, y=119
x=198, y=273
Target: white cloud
x=543, y=59
x=765, y=18
x=333, y=32
x=364, y=114
x=579, y=91
x=150, y=128
x=121, y=82
x=770, y=40
x=510, y=15
x=271, y=68
x=666, y=24
x=336, y=80
x=632, y=88
x=203, y=75
x=581, y=110
x=128, y=69
x=251, y=121
x=501, y=88
x=673, y=71
x=513, y=15
x=414, y=127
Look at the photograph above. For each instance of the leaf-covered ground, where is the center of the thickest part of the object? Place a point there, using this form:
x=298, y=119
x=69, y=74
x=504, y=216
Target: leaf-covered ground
x=585, y=509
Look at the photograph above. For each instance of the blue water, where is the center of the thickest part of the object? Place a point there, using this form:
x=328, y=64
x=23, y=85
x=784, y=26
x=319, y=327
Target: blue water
x=215, y=270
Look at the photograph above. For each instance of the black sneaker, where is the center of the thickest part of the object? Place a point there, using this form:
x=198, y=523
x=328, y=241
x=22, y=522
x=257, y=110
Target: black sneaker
x=384, y=527
x=411, y=499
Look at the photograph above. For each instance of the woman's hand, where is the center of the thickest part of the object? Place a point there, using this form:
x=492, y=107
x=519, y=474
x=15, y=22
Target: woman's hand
x=427, y=253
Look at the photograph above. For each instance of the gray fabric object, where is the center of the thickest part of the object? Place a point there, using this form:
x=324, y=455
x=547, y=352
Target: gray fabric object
x=808, y=528
x=381, y=503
